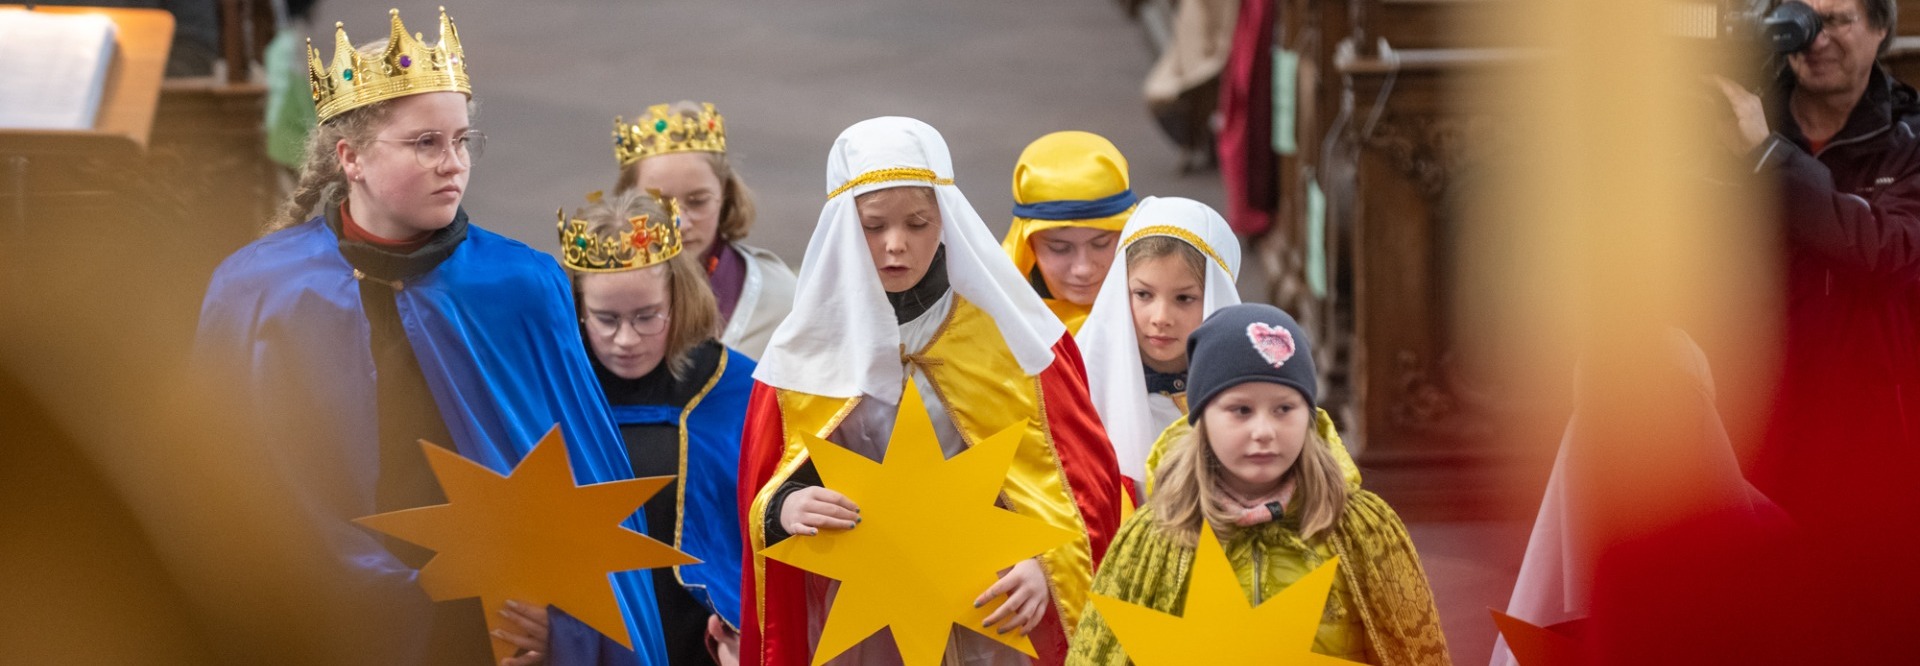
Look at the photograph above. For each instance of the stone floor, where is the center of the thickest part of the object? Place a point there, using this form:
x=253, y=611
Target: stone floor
x=992, y=75
x=1471, y=566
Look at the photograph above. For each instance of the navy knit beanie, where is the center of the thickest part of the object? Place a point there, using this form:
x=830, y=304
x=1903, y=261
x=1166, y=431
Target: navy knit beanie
x=1250, y=342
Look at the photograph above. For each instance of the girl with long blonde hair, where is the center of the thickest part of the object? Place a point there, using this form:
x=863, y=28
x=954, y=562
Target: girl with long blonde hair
x=1258, y=474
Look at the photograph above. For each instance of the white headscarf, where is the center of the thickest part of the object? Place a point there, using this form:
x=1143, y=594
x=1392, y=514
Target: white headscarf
x=1556, y=578
x=842, y=339
x=1107, y=341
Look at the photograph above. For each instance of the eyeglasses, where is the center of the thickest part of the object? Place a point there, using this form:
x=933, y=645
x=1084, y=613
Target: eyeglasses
x=606, y=325
x=1838, y=23
x=430, y=149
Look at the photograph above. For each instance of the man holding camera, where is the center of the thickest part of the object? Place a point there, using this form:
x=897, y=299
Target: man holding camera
x=1841, y=139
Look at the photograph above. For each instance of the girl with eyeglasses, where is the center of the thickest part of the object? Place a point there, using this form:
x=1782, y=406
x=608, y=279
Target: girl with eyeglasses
x=680, y=397
x=351, y=333
x=680, y=150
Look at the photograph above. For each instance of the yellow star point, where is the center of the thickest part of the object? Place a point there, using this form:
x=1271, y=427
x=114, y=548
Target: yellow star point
x=531, y=536
x=930, y=539
x=1219, y=625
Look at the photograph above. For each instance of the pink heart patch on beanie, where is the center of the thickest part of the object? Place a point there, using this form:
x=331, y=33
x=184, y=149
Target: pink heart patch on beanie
x=1273, y=342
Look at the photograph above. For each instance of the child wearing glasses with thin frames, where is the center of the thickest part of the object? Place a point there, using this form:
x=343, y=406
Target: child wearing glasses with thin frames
x=680, y=397
x=387, y=319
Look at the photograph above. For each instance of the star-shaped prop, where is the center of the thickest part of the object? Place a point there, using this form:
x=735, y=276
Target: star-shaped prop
x=930, y=538
x=1220, y=626
x=1536, y=646
x=532, y=536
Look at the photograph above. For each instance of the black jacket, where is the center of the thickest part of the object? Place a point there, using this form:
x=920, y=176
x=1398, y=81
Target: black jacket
x=1850, y=212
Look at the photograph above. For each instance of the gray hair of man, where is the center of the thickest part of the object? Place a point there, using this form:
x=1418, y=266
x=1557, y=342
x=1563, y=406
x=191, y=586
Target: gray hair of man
x=1881, y=14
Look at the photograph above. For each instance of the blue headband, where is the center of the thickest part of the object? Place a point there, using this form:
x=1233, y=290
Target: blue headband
x=1077, y=210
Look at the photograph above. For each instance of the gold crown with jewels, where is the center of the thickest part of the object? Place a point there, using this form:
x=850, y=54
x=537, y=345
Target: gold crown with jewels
x=647, y=241
x=663, y=131
x=407, y=67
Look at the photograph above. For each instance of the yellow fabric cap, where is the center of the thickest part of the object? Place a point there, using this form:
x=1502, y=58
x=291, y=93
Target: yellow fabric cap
x=1064, y=166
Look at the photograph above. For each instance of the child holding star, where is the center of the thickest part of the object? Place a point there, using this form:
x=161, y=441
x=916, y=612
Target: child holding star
x=373, y=316
x=1257, y=473
x=903, y=283
x=679, y=396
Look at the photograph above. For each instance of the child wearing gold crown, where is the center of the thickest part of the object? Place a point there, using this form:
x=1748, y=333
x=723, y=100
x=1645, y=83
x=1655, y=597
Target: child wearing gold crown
x=680, y=397
x=388, y=318
x=1256, y=471
x=903, y=283
x=680, y=151
x=1071, y=195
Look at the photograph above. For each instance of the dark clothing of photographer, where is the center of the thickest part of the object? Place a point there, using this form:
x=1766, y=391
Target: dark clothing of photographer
x=1849, y=396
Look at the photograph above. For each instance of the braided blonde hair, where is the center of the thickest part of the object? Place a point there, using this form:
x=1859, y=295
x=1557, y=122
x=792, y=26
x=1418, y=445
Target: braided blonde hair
x=322, y=181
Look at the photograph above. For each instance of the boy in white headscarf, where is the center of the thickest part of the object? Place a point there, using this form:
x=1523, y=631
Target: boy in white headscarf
x=1178, y=262
x=902, y=282
x=1178, y=265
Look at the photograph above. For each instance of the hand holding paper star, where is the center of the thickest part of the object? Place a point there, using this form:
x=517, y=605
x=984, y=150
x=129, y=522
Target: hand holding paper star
x=1219, y=625
x=929, y=541
x=532, y=536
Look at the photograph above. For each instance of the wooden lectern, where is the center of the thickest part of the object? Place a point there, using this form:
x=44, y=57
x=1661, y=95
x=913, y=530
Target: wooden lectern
x=120, y=130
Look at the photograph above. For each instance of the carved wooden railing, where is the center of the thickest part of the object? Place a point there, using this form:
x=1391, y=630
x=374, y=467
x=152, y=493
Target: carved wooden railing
x=1387, y=131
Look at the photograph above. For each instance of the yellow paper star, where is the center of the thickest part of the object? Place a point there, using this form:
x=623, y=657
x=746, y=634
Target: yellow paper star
x=930, y=539
x=1220, y=626
x=532, y=536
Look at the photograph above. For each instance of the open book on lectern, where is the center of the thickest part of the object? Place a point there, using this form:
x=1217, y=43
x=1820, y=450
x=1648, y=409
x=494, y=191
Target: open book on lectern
x=57, y=66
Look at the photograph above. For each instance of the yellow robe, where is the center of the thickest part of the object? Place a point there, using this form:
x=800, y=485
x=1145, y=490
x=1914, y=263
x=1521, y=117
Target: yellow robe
x=1056, y=477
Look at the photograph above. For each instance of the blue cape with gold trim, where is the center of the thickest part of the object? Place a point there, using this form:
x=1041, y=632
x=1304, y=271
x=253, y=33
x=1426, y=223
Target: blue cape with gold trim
x=498, y=344
x=709, y=526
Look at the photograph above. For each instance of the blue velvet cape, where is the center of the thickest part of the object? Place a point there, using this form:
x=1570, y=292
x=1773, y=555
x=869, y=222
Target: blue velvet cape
x=499, y=345
x=709, y=526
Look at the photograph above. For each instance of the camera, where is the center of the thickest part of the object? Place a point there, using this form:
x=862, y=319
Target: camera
x=1788, y=28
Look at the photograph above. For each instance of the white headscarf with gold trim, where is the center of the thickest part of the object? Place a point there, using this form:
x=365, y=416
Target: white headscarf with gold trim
x=1108, y=343
x=841, y=339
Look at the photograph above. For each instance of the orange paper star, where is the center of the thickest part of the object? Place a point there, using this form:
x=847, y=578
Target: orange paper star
x=930, y=539
x=1536, y=646
x=1220, y=626
x=532, y=536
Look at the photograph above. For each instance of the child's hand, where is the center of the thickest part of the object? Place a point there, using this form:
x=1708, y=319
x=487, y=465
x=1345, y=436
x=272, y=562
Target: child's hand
x=532, y=636
x=809, y=509
x=1025, y=586
x=723, y=643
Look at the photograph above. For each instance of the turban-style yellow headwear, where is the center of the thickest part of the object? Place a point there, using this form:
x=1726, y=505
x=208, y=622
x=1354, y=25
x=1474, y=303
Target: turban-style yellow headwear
x=1067, y=179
